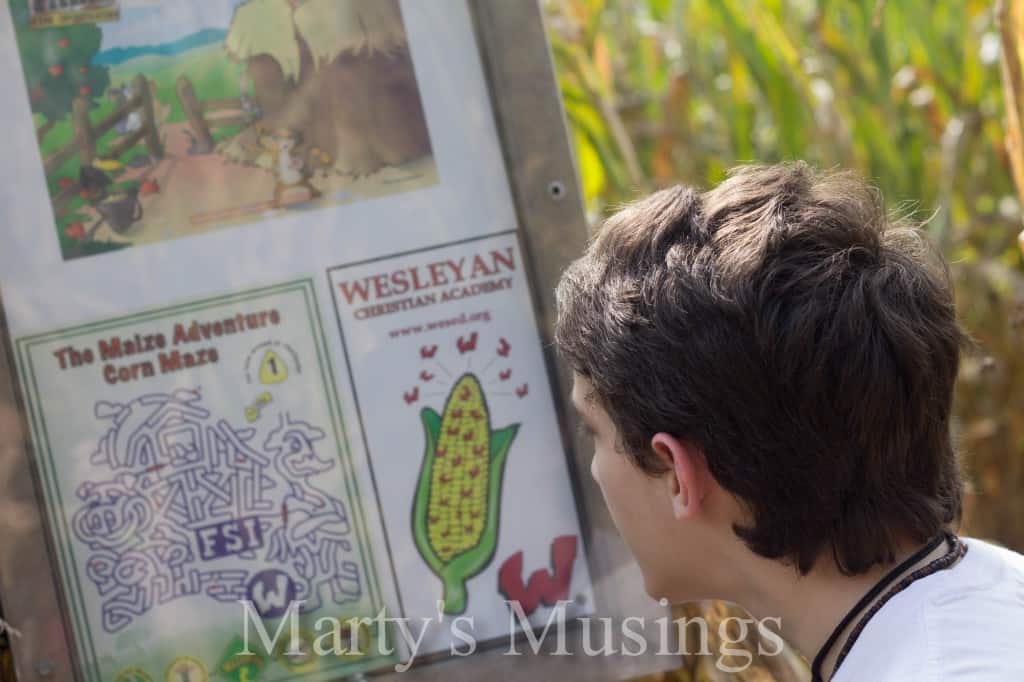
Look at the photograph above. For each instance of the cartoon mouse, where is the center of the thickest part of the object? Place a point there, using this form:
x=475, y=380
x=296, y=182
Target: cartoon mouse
x=290, y=168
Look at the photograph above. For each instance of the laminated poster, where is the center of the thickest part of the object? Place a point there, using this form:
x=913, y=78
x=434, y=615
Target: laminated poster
x=455, y=404
x=192, y=457
x=159, y=120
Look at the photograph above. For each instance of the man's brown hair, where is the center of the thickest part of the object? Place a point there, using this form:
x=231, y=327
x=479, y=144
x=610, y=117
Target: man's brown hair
x=803, y=340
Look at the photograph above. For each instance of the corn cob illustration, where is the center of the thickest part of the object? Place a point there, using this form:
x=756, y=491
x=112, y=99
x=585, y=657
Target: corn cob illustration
x=458, y=498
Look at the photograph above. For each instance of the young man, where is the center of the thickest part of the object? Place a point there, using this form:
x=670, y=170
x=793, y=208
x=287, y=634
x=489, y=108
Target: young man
x=768, y=370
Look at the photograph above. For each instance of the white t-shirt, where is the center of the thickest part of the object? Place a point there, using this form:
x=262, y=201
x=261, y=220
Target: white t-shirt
x=964, y=624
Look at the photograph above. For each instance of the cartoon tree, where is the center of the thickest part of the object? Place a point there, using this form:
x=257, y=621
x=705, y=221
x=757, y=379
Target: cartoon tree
x=58, y=66
x=337, y=71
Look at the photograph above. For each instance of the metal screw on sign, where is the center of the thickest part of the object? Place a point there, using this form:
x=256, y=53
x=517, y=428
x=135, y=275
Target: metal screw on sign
x=44, y=668
x=556, y=190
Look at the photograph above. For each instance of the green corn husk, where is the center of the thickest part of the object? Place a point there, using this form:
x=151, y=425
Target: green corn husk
x=458, y=498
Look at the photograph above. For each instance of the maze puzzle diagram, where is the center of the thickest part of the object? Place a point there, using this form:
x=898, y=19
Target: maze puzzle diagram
x=192, y=505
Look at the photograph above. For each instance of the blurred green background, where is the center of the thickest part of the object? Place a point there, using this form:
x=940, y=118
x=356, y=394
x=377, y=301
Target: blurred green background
x=909, y=93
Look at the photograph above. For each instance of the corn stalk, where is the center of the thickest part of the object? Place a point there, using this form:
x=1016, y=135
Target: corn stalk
x=1011, y=31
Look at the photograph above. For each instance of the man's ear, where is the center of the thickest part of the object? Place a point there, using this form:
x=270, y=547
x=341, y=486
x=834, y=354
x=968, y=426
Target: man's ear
x=687, y=475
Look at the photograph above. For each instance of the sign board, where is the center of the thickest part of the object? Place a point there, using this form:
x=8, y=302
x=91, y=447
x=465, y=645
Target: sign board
x=277, y=309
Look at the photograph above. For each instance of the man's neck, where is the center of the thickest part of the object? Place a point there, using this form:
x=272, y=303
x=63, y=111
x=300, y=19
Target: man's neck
x=812, y=606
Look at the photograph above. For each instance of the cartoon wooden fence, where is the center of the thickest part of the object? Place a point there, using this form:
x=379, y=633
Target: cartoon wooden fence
x=87, y=133
x=204, y=116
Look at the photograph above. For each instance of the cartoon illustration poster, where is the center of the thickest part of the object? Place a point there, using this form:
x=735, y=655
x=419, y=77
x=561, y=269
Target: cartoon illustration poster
x=176, y=118
x=192, y=457
x=457, y=415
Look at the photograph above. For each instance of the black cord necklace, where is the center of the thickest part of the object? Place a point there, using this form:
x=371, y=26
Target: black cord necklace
x=957, y=549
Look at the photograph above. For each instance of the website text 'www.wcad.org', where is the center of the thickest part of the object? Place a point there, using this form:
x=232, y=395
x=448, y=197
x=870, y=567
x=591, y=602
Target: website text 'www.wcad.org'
x=464, y=318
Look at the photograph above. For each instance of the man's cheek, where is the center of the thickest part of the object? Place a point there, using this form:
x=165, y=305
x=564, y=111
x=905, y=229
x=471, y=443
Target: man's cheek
x=593, y=469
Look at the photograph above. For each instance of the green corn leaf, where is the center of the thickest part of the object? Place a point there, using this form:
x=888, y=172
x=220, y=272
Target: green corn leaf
x=432, y=431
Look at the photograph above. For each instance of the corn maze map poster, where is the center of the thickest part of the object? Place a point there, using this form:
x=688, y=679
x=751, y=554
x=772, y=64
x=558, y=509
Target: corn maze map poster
x=181, y=117
x=457, y=415
x=191, y=457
